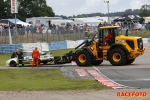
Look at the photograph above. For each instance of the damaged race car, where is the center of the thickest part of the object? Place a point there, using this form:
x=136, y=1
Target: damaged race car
x=45, y=58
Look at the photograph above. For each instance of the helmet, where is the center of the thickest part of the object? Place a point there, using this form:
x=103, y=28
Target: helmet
x=20, y=48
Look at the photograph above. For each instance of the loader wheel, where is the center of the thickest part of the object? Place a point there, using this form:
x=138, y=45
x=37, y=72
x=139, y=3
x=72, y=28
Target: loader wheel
x=83, y=58
x=128, y=62
x=117, y=57
x=97, y=62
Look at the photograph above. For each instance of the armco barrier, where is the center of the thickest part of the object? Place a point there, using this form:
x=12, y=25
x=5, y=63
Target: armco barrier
x=58, y=45
x=145, y=40
x=9, y=48
x=73, y=44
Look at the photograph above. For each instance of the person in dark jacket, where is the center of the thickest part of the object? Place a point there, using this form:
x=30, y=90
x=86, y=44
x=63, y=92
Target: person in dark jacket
x=14, y=54
x=20, y=56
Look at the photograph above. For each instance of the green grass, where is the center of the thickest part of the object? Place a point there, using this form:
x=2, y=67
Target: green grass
x=60, y=52
x=4, y=58
x=42, y=79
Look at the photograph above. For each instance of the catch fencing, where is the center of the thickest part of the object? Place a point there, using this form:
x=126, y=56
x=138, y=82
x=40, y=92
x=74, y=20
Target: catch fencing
x=51, y=35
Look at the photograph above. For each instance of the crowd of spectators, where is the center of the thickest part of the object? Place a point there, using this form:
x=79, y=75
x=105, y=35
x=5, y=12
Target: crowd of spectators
x=61, y=29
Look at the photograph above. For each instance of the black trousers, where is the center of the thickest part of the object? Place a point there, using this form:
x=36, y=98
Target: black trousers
x=20, y=61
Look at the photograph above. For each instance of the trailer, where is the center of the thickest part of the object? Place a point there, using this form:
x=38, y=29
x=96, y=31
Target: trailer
x=41, y=20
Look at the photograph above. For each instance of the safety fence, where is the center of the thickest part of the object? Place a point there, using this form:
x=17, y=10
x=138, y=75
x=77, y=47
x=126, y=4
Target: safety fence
x=58, y=45
x=22, y=35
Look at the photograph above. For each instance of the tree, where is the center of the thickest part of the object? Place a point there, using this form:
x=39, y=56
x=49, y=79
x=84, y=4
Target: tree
x=34, y=8
x=128, y=11
x=26, y=9
x=145, y=11
x=2, y=8
x=5, y=10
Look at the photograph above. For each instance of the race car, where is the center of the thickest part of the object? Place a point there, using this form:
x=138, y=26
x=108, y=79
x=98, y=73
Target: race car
x=27, y=59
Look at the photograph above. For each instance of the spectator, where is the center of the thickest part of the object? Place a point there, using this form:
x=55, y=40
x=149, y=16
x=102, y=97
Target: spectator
x=35, y=29
x=14, y=54
x=35, y=56
x=6, y=30
x=57, y=29
x=81, y=28
x=40, y=29
x=31, y=29
x=27, y=29
x=23, y=30
x=20, y=56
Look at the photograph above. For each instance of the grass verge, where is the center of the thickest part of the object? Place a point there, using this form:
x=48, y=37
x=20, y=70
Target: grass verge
x=42, y=79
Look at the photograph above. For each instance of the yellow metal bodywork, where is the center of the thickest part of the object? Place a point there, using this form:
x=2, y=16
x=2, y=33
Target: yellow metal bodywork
x=147, y=18
x=133, y=53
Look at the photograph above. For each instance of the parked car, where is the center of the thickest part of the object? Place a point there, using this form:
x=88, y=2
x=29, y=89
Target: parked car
x=27, y=59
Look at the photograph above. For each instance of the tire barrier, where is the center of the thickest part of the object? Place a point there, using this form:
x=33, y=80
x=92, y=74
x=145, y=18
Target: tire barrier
x=57, y=45
x=9, y=48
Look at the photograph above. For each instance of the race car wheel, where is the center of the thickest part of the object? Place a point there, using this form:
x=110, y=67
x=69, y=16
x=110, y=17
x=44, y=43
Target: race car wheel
x=13, y=64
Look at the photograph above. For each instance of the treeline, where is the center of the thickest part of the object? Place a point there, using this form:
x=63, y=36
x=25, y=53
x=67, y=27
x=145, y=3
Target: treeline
x=143, y=12
x=26, y=9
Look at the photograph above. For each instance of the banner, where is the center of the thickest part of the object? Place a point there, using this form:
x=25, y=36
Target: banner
x=14, y=6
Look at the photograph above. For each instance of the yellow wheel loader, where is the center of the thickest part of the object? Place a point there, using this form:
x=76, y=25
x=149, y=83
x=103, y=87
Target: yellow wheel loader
x=120, y=50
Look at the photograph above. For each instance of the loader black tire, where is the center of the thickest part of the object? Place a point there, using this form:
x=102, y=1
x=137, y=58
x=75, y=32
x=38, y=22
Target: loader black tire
x=128, y=62
x=117, y=57
x=98, y=62
x=83, y=58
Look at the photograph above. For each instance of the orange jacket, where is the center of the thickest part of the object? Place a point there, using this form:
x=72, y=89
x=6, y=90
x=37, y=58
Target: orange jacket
x=35, y=54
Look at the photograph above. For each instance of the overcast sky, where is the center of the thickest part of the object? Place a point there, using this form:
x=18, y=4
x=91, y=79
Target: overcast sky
x=75, y=7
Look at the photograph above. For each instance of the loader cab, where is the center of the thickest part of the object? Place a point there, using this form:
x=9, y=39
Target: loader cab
x=103, y=33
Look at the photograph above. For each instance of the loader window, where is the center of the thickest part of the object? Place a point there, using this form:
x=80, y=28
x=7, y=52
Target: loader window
x=116, y=32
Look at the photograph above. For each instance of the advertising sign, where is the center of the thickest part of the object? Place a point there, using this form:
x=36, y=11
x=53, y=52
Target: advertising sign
x=14, y=6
